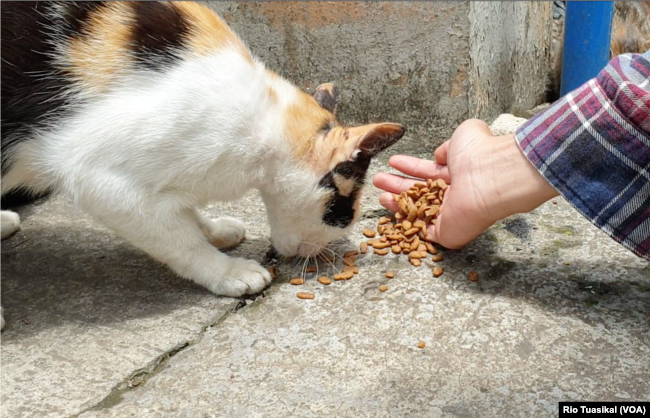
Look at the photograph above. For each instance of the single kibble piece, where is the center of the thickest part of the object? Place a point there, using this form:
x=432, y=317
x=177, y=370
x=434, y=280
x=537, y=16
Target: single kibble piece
x=381, y=252
x=419, y=224
x=324, y=280
x=272, y=272
x=437, y=257
x=437, y=271
x=406, y=225
x=383, y=288
x=390, y=274
x=311, y=269
x=350, y=254
x=346, y=275
x=305, y=295
x=416, y=262
x=384, y=220
x=383, y=239
x=369, y=233
x=473, y=276
x=396, y=249
x=363, y=247
x=417, y=254
x=380, y=245
x=297, y=281
x=431, y=248
x=411, y=232
x=422, y=344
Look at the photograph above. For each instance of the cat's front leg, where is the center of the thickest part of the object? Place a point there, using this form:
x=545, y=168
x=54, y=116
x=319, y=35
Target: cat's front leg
x=177, y=238
x=10, y=223
x=223, y=232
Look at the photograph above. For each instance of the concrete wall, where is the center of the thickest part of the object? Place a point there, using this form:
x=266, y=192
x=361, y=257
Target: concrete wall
x=408, y=62
x=510, y=55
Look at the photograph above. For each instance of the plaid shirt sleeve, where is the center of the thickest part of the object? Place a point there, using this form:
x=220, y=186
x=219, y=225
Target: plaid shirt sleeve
x=593, y=146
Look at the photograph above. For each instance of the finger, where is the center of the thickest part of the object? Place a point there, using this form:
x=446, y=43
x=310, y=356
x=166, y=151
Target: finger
x=440, y=154
x=438, y=233
x=393, y=183
x=418, y=167
x=387, y=201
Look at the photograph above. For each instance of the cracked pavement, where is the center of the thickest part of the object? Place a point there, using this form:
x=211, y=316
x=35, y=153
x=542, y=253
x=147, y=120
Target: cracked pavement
x=95, y=328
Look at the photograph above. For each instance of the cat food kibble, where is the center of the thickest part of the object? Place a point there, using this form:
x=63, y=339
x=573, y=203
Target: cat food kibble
x=311, y=269
x=369, y=233
x=324, y=280
x=346, y=275
x=437, y=271
x=305, y=295
x=390, y=274
x=297, y=281
x=272, y=272
x=422, y=344
x=419, y=207
x=383, y=288
x=363, y=248
x=473, y=276
x=437, y=257
x=349, y=254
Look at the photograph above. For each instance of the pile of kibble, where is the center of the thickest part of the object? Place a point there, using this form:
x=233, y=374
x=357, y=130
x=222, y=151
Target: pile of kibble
x=403, y=233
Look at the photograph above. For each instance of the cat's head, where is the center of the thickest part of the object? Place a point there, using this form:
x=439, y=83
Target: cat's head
x=317, y=198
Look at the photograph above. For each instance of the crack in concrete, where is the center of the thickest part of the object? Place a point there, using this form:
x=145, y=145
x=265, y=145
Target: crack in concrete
x=140, y=376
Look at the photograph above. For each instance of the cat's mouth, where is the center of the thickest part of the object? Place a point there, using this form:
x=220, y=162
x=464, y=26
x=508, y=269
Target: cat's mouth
x=302, y=250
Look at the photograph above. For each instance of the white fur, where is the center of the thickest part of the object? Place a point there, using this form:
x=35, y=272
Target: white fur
x=10, y=223
x=142, y=158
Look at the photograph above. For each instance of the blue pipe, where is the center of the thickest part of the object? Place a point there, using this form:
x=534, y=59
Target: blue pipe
x=587, y=38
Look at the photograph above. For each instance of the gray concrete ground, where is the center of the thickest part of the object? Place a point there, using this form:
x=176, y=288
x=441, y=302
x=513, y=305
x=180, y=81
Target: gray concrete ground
x=97, y=329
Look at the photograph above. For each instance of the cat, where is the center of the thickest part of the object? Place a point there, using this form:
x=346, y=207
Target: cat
x=630, y=34
x=142, y=112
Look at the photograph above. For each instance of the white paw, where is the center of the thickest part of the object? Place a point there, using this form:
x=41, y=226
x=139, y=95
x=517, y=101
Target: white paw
x=241, y=278
x=225, y=232
x=10, y=223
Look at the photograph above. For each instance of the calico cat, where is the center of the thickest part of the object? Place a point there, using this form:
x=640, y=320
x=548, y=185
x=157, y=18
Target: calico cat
x=630, y=34
x=142, y=112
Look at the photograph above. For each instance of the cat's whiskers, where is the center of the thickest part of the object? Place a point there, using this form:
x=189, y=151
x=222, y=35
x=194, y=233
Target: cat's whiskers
x=320, y=254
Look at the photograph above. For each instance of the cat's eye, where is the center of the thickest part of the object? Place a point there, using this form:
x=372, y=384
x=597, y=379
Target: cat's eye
x=326, y=127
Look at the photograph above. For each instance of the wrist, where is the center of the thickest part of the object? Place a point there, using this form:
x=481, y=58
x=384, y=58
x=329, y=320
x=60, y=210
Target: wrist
x=519, y=187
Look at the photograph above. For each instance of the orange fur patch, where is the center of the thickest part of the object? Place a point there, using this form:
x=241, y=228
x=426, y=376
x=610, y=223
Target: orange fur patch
x=303, y=120
x=96, y=58
x=208, y=32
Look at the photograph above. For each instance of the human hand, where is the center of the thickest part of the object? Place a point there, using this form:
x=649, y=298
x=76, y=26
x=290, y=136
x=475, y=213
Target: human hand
x=489, y=177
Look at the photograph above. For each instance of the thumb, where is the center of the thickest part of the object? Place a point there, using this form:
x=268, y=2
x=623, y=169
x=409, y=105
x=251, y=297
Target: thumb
x=440, y=154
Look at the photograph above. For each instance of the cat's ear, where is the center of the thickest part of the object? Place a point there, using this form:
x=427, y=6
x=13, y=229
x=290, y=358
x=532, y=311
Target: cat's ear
x=372, y=139
x=327, y=97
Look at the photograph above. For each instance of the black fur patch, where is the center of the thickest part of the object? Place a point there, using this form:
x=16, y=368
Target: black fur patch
x=31, y=86
x=160, y=30
x=339, y=210
x=78, y=15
